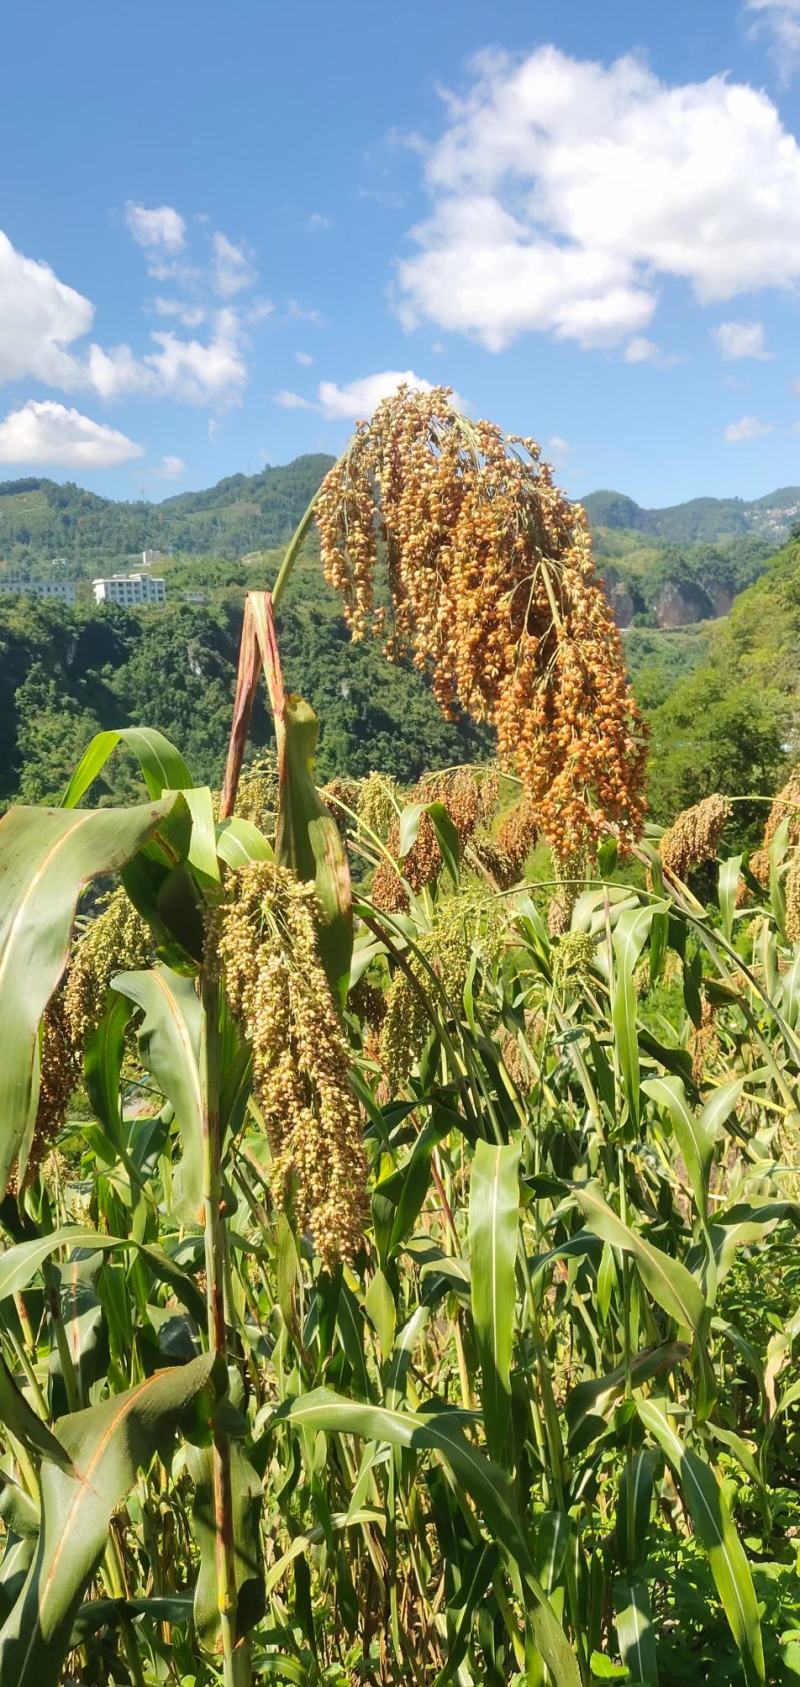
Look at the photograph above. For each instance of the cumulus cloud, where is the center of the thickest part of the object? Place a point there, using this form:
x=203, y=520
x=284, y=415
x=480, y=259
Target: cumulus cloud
x=563, y=189
x=212, y=372
x=780, y=21
x=158, y=229
x=40, y=317
x=303, y=357
x=232, y=270
x=741, y=339
x=189, y=315
x=302, y=313
x=642, y=350
x=170, y=468
x=48, y=433
x=557, y=446
x=356, y=399
x=748, y=427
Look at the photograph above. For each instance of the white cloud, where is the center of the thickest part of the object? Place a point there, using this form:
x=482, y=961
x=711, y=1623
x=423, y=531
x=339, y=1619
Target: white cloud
x=190, y=315
x=48, y=433
x=213, y=373
x=557, y=446
x=780, y=20
x=170, y=468
x=39, y=318
x=357, y=399
x=159, y=229
x=317, y=222
x=303, y=357
x=563, y=189
x=300, y=313
x=741, y=339
x=232, y=270
x=748, y=427
x=294, y=401
x=642, y=350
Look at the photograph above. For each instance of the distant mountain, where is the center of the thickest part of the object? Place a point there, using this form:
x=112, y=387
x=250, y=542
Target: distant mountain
x=701, y=519
x=40, y=519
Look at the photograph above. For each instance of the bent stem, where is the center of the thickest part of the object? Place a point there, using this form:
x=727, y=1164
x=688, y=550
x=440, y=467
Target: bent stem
x=235, y=1651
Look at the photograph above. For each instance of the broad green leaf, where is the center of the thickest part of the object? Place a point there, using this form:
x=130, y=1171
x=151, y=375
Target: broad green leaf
x=715, y=1530
x=409, y=827
x=239, y=843
x=381, y=1311
x=247, y=1500
x=48, y=855
x=309, y=842
x=489, y=1487
x=108, y=1444
x=163, y=769
x=203, y=845
x=447, y=837
x=23, y=1423
x=493, y=1225
x=19, y=1265
x=692, y=1135
x=669, y=1282
x=398, y=1368
x=633, y=1507
x=630, y=935
x=102, y=1064
x=729, y=873
x=169, y=1046
x=635, y=1632
x=595, y=1397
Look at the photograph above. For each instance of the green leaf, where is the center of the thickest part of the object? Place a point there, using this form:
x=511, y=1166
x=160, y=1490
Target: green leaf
x=247, y=1499
x=308, y=841
x=381, y=1311
x=169, y=1046
x=48, y=855
x=447, y=837
x=163, y=768
x=493, y=1225
x=18, y=1417
x=668, y=1281
x=635, y=1632
x=693, y=1137
x=19, y=1265
x=488, y=1486
x=714, y=1529
x=409, y=827
x=239, y=843
x=729, y=873
x=108, y=1444
x=102, y=1064
x=630, y=935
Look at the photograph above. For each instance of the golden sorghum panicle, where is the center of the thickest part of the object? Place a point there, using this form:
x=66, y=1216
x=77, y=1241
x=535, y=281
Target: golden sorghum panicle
x=694, y=837
x=504, y=855
x=447, y=947
x=792, y=894
x=338, y=795
x=263, y=940
x=378, y=803
x=466, y=797
x=785, y=807
x=574, y=956
x=257, y=793
x=493, y=590
x=759, y=866
x=118, y=940
x=704, y=1043
x=60, y=1070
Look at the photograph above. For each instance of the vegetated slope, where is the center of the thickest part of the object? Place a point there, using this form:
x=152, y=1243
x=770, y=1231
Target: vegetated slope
x=734, y=723
x=771, y=517
x=40, y=520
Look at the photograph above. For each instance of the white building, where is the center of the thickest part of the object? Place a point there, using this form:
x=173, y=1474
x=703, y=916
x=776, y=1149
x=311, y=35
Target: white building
x=129, y=589
x=149, y=557
x=13, y=585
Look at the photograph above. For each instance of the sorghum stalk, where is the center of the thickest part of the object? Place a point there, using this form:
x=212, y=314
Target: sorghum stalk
x=236, y=1658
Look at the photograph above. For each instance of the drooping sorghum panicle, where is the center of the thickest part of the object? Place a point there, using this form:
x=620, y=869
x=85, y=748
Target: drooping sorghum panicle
x=118, y=940
x=792, y=894
x=785, y=807
x=465, y=796
x=759, y=866
x=59, y=1075
x=493, y=591
x=262, y=939
x=447, y=949
x=257, y=792
x=378, y=803
x=574, y=956
x=339, y=795
x=704, y=1043
x=694, y=836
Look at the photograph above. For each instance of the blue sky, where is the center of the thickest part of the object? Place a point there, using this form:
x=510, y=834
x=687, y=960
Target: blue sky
x=226, y=229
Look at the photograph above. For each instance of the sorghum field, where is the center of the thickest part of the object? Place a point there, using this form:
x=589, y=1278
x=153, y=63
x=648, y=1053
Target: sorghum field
x=399, y=1278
